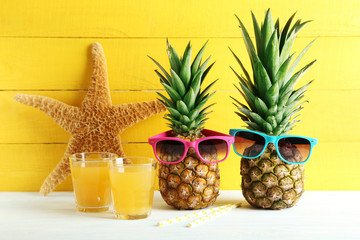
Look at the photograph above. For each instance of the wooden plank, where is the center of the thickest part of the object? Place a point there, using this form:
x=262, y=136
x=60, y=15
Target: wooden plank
x=32, y=64
x=24, y=166
x=156, y=18
x=331, y=116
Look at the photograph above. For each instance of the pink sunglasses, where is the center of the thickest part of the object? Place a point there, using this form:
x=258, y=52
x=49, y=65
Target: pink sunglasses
x=213, y=148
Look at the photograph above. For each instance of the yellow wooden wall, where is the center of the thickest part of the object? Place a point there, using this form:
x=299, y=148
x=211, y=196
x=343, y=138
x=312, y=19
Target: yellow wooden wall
x=44, y=49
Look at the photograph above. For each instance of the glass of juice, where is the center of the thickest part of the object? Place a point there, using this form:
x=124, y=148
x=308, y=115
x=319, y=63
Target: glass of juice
x=90, y=176
x=132, y=187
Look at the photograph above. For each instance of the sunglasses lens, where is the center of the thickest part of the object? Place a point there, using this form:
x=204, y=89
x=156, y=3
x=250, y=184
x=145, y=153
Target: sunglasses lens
x=294, y=149
x=170, y=151
x=213, y=150
x=249, y=144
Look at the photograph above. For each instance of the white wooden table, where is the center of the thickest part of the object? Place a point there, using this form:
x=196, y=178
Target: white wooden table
x=318, y=215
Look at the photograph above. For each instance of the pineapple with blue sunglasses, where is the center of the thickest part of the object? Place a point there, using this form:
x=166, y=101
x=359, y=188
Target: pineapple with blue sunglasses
x=272, y=164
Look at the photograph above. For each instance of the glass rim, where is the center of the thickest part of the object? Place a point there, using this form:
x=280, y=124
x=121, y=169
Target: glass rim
x=80, y=157
x=114, y=163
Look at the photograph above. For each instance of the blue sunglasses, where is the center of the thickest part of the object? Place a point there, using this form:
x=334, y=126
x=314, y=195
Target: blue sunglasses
x=291, y=149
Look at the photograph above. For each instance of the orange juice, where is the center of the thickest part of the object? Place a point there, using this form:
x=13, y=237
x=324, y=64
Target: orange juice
x=90, y=175
x=91, y=185
x=132, y=190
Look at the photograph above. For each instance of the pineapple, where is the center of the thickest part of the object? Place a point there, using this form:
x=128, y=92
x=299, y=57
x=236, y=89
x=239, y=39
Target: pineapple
x=272, y=108
x=192, y=183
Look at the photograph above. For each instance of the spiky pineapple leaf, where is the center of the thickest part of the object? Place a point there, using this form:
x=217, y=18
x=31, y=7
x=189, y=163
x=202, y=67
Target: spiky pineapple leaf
x=177, y=83
x=203, y=66
x=272, y=95
x=247, y=95
x=296, y=109
x=260, y=106
x=202, y=116
x=294, y=105
x=283, y=70
x=248, y=43
x=166, y=100
x=258, y=36
x=293, y=80
x=196, y=63
x=193, y=114
x=162, y=78
x=277, y=27
x=174, y=112
x=261, y=73
x=239, y=103
x=254, y=126
x=196, y=83
x=279, y=115
x=267, y=28
x=172, y=93
x=241, y=65
x=182, y=108
x=272, y=59
x=257, y=118
x=173, y=58
x=288, y=44
x=206, y=72
x=190, y=98
x=242, y=116
x=202, y=103
x=244, y=81
x=184, y=128
x=206, y=108
x=284, y=32
x=278, y=130
x=297, y=60
x=272, y=111
x=185, y=72
x=283, y=99
x=202, y=94
x=267, y=128
x=192, y=124
x=300, y=26
x=161, y=68
x=185, y=119
x=298, y=92
x=272, y=121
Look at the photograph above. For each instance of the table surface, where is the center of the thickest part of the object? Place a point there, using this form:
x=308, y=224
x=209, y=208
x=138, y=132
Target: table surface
x=318, y=215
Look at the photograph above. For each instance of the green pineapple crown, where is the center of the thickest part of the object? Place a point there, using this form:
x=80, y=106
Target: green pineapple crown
x=273, y=104
x=186, y=100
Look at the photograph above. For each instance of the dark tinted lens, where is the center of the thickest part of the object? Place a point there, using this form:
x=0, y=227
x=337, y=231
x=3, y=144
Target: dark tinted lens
x=213, y=150
x=294, y=149
x=170, y=150
x=249, y=144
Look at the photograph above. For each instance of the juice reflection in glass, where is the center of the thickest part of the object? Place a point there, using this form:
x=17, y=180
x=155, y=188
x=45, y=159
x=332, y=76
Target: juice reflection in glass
x=90, y=175
x=132, y=187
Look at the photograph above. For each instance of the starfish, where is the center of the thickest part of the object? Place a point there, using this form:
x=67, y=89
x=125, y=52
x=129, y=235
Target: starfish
x=96, y=125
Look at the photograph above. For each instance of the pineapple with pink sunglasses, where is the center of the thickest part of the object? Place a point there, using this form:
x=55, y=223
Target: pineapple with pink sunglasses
x=189, y=176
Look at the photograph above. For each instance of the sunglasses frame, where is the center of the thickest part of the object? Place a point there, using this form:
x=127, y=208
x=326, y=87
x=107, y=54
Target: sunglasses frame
x=209, y=135
x=275, y=140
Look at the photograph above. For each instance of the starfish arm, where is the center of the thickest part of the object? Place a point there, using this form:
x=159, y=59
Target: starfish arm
x=62, y=169
x=63, y=114
x=132, y=113
x=99, y=92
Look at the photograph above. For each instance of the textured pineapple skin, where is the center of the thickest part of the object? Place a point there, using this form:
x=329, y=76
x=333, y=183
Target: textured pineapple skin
x=190, y=184
x=268, y=182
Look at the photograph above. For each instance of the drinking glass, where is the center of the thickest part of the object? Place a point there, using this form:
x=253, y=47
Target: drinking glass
x=90, y=176
x=132, y=186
